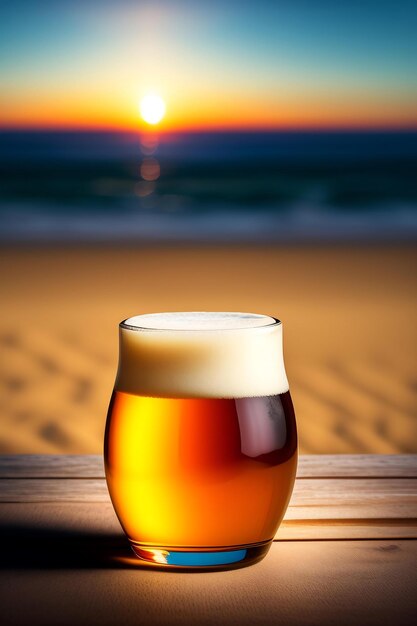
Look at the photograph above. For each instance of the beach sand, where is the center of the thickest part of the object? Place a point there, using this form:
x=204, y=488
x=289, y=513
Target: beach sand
x=349, y=335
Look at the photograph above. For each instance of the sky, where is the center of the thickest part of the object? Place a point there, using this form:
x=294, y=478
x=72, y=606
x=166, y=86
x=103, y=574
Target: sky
x=234, y=64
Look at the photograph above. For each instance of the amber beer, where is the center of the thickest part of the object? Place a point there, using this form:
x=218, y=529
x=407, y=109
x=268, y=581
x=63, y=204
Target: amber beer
x=200, y=460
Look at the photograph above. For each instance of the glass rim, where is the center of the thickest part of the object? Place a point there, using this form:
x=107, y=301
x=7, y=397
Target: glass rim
x=125, y=325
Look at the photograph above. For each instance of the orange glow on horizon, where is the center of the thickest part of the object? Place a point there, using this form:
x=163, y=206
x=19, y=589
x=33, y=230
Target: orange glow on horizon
x=210, y=113
x=209, y=77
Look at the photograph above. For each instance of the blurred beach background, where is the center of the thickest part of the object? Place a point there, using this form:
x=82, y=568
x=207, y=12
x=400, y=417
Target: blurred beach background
x=239, y=156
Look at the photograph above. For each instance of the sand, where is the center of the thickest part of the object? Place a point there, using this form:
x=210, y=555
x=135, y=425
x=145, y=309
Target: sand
x=349, y=335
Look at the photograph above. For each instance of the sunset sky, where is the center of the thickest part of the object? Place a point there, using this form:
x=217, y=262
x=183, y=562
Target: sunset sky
x=226, y=65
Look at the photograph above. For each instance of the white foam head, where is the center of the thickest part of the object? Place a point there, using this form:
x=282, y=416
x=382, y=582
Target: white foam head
x=201, y=355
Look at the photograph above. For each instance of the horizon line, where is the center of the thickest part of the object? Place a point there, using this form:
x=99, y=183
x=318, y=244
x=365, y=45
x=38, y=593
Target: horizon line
x=210, y=129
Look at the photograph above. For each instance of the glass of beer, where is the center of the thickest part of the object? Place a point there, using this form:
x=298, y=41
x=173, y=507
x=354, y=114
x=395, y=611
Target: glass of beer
x=201, y=441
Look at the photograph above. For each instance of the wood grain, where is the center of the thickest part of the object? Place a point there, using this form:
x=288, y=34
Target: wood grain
x=309, y=466
x=357, y=466
x=94, y=520
x=328, y=492
x=345, y=552
x=297, y=584
x=364, y=505
x=319, y=508
x=51, y=466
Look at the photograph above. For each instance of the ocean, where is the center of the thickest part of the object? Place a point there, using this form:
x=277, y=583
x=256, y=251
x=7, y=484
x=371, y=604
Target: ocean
x=208, y=187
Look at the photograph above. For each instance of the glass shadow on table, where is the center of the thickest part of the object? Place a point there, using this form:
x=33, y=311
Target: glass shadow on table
x=29, y=546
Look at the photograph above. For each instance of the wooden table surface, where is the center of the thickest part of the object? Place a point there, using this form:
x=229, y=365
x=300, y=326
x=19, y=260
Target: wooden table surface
x=345, y=553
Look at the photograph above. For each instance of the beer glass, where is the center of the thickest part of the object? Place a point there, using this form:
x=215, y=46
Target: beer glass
x=201, y=443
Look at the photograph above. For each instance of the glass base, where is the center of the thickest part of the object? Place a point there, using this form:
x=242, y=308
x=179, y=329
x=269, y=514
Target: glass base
x=200, y=558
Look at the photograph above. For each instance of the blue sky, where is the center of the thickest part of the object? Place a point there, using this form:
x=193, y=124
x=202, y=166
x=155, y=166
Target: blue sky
x=353, y=60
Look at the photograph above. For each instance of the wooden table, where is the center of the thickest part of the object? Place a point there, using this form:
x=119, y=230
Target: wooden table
x=345, y=553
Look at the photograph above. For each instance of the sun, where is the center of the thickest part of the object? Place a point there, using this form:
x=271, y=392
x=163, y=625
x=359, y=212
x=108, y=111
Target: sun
x=152, y=108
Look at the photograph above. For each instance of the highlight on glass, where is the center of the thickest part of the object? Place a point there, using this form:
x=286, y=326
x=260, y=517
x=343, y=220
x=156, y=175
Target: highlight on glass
x=201, y=441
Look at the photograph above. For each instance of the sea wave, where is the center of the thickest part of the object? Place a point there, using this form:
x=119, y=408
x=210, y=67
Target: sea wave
x=34, y=223
x=208, y=187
